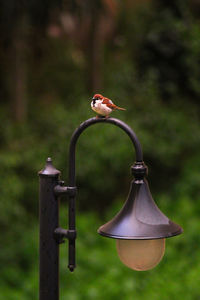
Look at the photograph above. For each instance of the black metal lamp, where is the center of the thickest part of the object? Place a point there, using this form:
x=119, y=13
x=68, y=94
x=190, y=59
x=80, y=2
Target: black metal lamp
x=140, y=228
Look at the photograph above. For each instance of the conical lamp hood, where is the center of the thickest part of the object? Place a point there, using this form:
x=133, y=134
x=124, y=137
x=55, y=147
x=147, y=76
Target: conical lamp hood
x=140, y=218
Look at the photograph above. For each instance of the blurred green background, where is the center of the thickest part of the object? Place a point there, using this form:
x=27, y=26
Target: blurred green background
x=145, y=56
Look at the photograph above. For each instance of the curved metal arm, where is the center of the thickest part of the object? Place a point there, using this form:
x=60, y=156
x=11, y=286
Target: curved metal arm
x=72, y=180
x=86, y=124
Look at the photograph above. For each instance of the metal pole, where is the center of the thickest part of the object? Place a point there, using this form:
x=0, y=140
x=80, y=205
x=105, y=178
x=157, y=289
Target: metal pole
x=72, y=227
x=49, y=246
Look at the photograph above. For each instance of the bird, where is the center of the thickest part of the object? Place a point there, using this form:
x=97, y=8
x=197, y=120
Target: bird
x=103, y=106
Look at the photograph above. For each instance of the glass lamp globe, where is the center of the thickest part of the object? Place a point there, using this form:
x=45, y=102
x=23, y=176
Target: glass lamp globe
x=141, y=255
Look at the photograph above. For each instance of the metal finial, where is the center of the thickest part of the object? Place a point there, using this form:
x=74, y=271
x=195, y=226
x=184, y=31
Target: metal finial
x=49, y=170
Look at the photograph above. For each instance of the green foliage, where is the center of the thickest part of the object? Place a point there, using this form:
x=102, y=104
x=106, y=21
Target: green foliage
x=169, y=50
x=151, y=68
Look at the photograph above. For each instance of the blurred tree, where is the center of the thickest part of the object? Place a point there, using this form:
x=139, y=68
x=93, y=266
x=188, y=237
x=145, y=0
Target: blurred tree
x=168, y=50
x=17, y=22
x=89, y=24
x=13, y=43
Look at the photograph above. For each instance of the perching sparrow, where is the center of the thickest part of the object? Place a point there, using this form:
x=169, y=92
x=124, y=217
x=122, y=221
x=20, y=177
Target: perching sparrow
x=103, y=106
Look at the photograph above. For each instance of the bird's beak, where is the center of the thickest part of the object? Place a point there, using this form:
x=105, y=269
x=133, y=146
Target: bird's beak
x=93, y=98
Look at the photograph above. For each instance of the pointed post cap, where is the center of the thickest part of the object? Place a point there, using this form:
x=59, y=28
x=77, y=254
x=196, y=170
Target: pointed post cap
x=49, y=170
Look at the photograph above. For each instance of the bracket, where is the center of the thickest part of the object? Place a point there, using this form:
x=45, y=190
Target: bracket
x=60, y=234
x=60, y=189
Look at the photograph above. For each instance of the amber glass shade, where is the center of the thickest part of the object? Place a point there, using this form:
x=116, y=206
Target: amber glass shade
x=141, y=255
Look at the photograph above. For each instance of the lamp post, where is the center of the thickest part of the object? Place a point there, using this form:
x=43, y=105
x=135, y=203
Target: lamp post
x=140, y=228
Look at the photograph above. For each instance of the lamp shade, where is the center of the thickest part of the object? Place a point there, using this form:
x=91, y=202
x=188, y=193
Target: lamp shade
x=140, y=218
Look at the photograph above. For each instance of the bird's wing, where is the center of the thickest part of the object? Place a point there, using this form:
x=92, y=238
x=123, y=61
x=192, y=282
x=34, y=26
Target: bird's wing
x=109, y=103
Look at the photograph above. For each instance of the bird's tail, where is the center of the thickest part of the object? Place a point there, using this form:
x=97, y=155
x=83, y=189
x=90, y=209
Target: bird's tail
x=119, y=108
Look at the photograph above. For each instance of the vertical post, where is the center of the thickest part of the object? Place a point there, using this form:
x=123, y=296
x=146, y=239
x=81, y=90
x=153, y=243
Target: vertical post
x=49, y=221
x=72, y=226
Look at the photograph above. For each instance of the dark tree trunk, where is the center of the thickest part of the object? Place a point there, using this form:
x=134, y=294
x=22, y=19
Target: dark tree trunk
x=18, y=54
x=95, y=53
